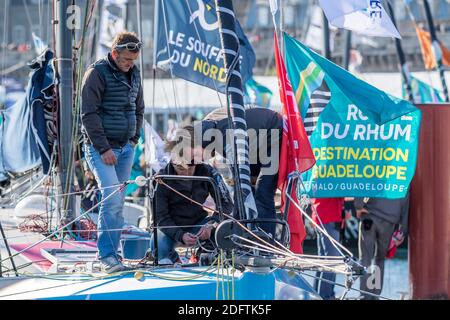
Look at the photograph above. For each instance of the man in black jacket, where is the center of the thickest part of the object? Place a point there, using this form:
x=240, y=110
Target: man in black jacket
x=179, y=220
x=112, y=113
x=264, y=129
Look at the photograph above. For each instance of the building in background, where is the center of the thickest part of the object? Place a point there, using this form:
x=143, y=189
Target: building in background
x=301, y=19
x=378, y=54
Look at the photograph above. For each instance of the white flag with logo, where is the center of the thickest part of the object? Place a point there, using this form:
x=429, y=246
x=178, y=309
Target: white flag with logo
x=366, y=17
x=155, y=156
x=112, y=22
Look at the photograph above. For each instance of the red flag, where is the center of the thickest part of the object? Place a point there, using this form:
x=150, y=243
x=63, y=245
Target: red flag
x=296, y=152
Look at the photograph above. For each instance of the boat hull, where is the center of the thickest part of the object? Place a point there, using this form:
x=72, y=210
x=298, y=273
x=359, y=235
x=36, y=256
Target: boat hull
x=161, y=284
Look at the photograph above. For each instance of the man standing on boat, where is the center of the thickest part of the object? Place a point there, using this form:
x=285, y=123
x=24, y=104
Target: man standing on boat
x=264, y=127
x=112, y=113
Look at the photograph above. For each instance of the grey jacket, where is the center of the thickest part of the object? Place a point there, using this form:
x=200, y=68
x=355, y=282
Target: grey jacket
x=392, y=210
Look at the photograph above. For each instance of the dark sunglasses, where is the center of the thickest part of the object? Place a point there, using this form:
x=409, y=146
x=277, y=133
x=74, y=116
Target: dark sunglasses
x=130, y=46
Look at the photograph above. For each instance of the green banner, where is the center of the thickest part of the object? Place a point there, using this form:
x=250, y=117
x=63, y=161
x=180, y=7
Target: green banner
x=365, y=142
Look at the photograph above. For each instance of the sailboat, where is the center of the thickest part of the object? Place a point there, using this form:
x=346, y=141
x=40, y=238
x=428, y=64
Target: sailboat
x=243, y=264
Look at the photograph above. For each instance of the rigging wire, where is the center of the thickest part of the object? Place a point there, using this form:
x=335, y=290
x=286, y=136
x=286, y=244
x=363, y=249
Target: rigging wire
x=58, y=195
x=27, y=12
x=40, y=3
x=68, y=224
x=270, y=249
x=23, y=266
x=170, y=63
x=343, y=286
x=5, y=38
x=113, y=230
x=336, y=244
x=295, y=257
x=283, y=250
x=90, y=6
x=207, y=57
x=319, y=228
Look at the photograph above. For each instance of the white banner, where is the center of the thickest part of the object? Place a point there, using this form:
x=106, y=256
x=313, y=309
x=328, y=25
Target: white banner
x=112, y=22
x=366, y=17
x=155, y=156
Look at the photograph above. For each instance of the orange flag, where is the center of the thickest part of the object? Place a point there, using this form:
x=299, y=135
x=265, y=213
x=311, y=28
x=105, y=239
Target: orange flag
x=427, y=53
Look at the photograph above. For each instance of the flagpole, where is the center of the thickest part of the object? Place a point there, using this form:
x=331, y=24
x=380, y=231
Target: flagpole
x=435, y=46
x=347, y=48
x=126, y=14
x=65, y=89
x=155, y=34
x=401, y=57
x=281, y=29
x=273, y=11
x=97, y=30
x=326, y=37
x=139, y=25
x=149, y=202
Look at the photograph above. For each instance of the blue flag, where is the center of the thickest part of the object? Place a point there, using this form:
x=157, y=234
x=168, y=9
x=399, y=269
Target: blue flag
x=188, y=41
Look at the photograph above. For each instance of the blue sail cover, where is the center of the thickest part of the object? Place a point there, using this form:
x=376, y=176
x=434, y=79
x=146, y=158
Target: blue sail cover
x=23, y=138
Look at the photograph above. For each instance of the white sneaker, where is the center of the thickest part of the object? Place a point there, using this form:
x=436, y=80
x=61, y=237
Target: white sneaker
x=111, y=264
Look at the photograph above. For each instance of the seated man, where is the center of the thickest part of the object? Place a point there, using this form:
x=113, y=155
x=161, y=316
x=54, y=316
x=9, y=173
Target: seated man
x=179, y=220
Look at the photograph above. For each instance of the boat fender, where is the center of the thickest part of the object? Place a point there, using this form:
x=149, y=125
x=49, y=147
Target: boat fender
x=139, y=276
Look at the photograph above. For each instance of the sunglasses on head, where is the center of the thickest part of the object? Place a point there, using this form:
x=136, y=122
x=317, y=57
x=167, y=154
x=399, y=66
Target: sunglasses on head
x=191, y=164
x=130, y=46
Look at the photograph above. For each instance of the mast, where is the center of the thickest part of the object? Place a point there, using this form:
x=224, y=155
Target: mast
x=401, y=58
x=347, y=48
x=326, y=37
x=149, y=199
x=65, y=89
x=139, y=25
x=236, y=110
x=436, y=48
